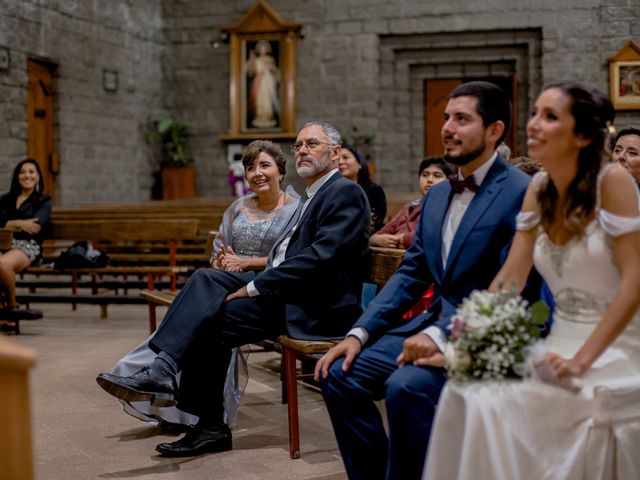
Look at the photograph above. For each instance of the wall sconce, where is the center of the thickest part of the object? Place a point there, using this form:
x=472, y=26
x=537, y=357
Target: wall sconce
x=5, y=59
x=223, y=37
x=110, y=80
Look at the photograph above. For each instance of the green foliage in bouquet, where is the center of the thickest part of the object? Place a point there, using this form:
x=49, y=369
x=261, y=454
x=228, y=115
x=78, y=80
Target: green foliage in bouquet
x=490, y=334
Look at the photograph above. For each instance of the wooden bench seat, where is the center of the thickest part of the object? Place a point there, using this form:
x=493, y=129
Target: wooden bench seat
x=168, y=231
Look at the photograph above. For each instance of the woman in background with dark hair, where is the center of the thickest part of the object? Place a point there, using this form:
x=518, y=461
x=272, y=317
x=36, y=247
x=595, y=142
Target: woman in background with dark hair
x=25, y=210
x=353, y=166
x=398, y=233
x=579, y=416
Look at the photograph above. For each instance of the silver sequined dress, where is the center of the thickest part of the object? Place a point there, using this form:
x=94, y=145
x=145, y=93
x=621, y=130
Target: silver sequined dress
x=251, y=233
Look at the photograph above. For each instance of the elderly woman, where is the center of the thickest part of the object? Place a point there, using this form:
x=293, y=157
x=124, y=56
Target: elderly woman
x=250, y=227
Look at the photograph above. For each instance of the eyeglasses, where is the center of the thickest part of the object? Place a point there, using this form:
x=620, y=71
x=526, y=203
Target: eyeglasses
x=311, y=144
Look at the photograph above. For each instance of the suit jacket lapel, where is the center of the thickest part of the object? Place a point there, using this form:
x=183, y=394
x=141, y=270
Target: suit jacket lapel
x=312, y=200
x=434, y=214
x=484, y=197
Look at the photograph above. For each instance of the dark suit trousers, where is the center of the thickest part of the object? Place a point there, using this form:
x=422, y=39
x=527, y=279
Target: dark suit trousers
x=411, y=394
x=200, y=329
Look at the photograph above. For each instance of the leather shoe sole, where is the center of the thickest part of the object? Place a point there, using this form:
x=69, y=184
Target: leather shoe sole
x=193, y=444
x=128, y=394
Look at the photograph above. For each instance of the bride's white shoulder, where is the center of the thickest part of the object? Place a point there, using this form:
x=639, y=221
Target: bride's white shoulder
x=619, y=192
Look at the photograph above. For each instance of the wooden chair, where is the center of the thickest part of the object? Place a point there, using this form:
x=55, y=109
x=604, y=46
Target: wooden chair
x=384, y=261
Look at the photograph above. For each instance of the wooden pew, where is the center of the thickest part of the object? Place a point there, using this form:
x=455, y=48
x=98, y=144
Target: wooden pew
x=15, y=411
x=167, y=230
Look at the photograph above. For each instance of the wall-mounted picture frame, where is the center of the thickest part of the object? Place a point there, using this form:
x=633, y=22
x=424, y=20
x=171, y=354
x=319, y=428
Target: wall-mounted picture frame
x=624, y=77
x=262, y=76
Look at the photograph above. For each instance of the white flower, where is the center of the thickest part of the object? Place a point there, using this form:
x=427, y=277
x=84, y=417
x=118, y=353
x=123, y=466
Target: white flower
x=489, y=332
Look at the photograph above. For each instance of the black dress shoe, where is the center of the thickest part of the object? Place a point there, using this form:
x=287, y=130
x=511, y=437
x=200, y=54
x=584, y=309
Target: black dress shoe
x=145, y=384
x=198, y=440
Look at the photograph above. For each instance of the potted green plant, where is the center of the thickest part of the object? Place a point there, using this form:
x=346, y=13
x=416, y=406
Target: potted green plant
x=176, y=165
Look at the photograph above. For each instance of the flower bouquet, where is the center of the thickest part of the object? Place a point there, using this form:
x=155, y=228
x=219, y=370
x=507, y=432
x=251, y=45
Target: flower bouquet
x=490, y=334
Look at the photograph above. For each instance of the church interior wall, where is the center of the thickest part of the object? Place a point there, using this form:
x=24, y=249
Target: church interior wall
x=360, y=65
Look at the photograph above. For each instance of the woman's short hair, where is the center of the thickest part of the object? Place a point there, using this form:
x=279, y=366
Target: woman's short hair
x=256, y=147
x=439, y=162
x=626, y=131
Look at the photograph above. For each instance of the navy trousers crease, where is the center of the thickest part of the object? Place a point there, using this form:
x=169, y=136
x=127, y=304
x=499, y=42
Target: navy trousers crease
x=411, y=394
x=200, y=329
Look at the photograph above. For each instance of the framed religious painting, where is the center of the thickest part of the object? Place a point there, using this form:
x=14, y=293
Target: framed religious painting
x=624, y=77
x=262, y=86
x=262, y=54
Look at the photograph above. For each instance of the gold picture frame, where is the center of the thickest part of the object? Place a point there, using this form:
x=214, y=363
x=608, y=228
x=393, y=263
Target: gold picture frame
x=624, y=77
x=262, y=94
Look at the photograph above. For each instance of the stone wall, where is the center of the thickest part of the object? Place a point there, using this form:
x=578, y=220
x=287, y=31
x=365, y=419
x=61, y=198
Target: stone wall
x=100, y=136
x=361, y=63
x=361, y=66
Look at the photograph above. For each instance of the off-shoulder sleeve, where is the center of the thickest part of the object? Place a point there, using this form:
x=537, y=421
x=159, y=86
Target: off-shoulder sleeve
x=615, y=225
x=527, y=220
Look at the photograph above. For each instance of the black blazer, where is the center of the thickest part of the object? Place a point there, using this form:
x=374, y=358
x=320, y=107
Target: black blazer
x=36, y=206
x=320, y=279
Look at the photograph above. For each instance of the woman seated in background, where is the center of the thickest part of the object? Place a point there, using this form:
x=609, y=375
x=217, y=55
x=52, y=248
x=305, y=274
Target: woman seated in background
x=250, y=226
x=353, y=166
x=24, y=210
x=627, y=151
x=398, y=233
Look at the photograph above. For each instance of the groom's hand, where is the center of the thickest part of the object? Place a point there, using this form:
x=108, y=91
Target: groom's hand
x=349, y=348
x=420, y=349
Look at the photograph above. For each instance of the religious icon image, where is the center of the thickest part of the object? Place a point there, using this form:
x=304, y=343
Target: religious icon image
x=262, y=85
x=629, y=81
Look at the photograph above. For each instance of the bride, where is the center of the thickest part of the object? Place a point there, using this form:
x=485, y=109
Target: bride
x=579, y=226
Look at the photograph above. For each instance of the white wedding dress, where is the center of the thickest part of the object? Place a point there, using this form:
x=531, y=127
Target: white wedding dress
x=532, y=430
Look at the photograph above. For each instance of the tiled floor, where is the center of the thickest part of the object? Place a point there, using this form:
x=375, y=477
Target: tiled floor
x=80, y=432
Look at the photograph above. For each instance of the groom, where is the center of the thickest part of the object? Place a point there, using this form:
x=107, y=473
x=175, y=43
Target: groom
x=464, y=233
x=310, y=290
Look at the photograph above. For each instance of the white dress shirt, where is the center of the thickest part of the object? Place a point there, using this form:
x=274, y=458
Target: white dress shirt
x=457, y=208
x=278, y=258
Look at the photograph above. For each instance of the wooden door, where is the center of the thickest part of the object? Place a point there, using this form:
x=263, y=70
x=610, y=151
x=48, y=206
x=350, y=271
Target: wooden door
x=40, y=121
x=436, y=97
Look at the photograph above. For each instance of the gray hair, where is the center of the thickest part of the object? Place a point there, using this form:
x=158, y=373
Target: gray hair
x=328, y=129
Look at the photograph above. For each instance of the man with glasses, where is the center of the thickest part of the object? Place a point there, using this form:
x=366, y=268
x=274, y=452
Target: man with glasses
x=310, y=290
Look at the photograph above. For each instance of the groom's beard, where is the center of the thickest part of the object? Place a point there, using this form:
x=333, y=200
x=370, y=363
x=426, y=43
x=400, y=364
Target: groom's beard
x=465, y=158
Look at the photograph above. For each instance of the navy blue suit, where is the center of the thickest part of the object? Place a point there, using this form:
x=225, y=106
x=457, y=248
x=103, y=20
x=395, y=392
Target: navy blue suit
x=313, y=294
x=479, y=247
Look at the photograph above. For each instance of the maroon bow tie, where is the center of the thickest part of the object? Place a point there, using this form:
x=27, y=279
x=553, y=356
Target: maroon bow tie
x=458, y=185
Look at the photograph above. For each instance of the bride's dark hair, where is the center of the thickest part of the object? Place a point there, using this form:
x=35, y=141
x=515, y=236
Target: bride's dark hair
x=592, y=111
